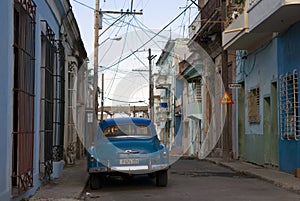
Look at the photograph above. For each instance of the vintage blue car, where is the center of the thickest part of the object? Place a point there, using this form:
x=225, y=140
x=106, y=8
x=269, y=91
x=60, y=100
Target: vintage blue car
x=126, y=147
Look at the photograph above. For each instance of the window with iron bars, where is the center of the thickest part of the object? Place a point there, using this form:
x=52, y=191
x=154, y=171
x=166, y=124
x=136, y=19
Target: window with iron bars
x=195, y=90
x=23, y=96
x=253, y=106
x=48, y=66
x=289, y=106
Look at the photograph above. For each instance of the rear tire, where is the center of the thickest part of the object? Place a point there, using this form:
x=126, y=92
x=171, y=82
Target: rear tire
x=162, y=178
x=96, y=181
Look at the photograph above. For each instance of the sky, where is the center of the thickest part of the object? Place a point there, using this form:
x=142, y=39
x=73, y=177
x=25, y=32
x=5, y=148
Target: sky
x=130, y=34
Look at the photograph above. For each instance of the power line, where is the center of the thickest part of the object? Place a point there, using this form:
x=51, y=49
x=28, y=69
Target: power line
x=152, y=37
x=112, y=82
x=85, y=5
x=148, y=35
x=121, y=101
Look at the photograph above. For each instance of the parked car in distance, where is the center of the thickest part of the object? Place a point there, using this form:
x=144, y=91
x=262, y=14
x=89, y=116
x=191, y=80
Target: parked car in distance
x=127, y=147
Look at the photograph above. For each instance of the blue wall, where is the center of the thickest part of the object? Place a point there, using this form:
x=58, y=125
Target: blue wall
x=288, y=60
x=6, y=96
x=257, y=69
x=43, y=12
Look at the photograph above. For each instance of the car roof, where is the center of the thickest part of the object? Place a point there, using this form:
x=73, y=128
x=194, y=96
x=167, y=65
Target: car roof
x=125, y=120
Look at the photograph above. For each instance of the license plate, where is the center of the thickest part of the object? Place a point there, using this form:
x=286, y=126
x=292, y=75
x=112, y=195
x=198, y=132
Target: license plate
x=129, y=161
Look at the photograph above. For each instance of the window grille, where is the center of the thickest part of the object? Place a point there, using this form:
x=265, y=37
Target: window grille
x=195, y=90
x=23, y=96
x=289, y=118
x=198, y=91
x=48, y=65
x=253, y=106
x=59, y=102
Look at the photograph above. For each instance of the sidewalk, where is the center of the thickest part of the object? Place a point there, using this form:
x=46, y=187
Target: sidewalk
x=66, y=188
x=278, y=178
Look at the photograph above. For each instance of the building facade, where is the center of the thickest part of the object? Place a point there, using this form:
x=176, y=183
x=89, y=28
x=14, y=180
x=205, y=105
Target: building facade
x=217, y=67
x=169, y=119
x=267, y=107
x=288, y=69
x=38, y=43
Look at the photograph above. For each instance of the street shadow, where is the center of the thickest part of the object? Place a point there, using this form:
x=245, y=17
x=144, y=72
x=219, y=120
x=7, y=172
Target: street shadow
x=117, y=183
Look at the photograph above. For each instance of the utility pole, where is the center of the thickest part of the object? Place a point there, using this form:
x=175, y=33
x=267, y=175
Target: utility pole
x=96, y=33
x=151, y=104
x=226, y=128
x=151, y=96
x=102, y=97
x=97, y=14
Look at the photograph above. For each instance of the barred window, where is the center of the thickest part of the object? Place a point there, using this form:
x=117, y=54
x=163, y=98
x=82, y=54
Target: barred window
x=48, y=66
x=23, y=95
x=195, y=90
x=289, y=118
x=253, y=106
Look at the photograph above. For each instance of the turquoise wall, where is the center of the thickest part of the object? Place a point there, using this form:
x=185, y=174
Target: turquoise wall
x=257, y=69
x=288, y=60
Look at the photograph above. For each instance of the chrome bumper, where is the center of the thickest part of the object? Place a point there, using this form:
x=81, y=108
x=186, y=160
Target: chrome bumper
x=137, y=169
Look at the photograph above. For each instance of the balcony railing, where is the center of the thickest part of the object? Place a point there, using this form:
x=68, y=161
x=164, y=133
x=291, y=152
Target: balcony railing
x=258, y=20
x=234, y=10
x=208, y=10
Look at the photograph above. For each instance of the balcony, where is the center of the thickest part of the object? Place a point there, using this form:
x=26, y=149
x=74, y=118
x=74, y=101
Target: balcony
x=163, y=81
x=207, y=22
x=209, y=10
x=259, y=21
x=194, y=110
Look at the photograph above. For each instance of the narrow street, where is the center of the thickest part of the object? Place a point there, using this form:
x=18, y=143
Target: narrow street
x=92, y=88
x=192, y=180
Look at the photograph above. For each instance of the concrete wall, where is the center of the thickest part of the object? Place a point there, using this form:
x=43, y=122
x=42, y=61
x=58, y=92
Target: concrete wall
x=256, y=69
x=288, y=60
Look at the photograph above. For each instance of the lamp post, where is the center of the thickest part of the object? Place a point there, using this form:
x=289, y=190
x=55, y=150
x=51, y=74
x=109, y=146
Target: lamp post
x=109, y=38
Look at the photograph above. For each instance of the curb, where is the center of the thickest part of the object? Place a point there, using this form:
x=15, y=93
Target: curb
x=287, y=186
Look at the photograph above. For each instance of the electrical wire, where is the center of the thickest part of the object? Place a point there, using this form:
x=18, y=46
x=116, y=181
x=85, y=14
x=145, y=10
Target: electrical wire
x=139, y=25
x=144, y=31
x=143, y=45
x=85, y=5
x=112, y=82
x=125, y=101
x=182, y=22
x=106, y=52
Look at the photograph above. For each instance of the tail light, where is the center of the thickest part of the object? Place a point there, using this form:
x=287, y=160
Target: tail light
x=165, y=155
x=92, y=159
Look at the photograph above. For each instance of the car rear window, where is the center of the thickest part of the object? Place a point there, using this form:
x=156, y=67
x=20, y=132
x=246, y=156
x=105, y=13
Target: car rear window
x=126, y=130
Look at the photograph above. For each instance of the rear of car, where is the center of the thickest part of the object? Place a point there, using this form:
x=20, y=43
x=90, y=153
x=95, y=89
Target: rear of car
x=127, y=146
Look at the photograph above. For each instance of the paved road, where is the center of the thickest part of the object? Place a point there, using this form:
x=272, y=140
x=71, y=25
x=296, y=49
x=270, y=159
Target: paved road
x=192, y=180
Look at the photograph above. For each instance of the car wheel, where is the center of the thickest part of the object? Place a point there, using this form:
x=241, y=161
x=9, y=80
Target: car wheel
x=162, y=178
x=96, y=181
